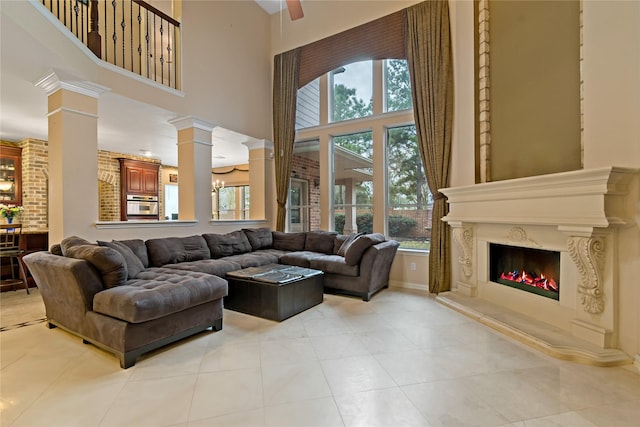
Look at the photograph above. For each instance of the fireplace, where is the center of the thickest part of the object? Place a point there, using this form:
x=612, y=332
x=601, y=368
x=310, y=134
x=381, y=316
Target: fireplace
x=594, y=214
x=528, y=269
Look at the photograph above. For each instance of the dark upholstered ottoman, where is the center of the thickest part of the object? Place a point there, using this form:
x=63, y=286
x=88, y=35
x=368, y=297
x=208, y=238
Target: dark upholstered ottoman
x=274, y=291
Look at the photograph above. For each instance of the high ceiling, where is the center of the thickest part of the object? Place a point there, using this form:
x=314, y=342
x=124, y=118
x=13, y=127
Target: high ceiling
x=125, y=126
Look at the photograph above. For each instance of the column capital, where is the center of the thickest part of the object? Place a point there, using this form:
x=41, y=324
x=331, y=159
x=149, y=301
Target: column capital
x=255, y=144
x=182, y=123
x=55, y=80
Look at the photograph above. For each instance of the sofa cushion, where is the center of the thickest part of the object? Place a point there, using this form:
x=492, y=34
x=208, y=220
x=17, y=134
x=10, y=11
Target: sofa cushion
x=288, y=241
x=260, y=238
x=320, y=241
x=158, y=292
x=222, y=245
x=334, y=264
x=133, y=263
x=357, y=248
x=253, y=259
x=139, y=248
x=300, y=258
x=347, y=243
x=217, y=267
x=170, y=250
x=71, y=241
x=107, y=261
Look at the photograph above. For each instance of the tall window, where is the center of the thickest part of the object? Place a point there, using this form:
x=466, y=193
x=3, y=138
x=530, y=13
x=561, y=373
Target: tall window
x=409, y=201
x=353, y=183
x=352, y=91
x=397, y=85
x=308, y=105
x=403, y=203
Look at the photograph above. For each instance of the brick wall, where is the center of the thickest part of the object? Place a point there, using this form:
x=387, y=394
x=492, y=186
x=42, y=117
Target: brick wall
x=35, y=184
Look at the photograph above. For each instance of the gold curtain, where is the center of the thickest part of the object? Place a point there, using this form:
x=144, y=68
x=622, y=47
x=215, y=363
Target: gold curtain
x=285, y=91
x=428, y=43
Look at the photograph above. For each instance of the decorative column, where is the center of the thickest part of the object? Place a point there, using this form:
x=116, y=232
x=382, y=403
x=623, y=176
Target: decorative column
x=590, y=251
x=262, y=185
x=464, y=238
x=194, y=168
x=73, y=154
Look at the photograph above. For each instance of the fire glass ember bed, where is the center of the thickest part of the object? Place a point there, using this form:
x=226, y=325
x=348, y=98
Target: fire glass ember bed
x=274, y=291
x=529, y=269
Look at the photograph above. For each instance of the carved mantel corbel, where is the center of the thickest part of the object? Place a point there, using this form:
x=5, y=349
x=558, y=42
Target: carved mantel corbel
x=463, y=235
x=588, y=252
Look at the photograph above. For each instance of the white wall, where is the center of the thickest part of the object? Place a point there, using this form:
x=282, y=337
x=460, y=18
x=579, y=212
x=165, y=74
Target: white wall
x=611, y=74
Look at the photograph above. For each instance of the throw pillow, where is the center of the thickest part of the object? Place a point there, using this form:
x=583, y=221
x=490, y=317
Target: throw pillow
x=347, y=243
x=139, y=248
x=72, y=241
x=358, y=247
x=259, y=238
x=133, y=263
x=107, y=261
x=288, y=241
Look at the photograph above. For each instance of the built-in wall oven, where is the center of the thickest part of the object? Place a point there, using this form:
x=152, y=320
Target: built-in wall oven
x=142, y=206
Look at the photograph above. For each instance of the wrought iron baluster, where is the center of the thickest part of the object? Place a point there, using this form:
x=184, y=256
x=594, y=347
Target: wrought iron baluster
x=139, y=32
x=82, y=31
x=124, y=48
x=76, y=10
x=131, y=32
x=155, y=63
x=147, y=38
x=114, y=37
x=161, y=50
x=169, y=58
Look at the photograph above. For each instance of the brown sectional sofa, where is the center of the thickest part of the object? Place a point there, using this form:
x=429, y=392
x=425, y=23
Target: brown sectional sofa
x=133, y=296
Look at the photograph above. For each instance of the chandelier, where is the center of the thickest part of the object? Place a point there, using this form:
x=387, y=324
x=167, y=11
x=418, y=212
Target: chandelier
x=217, y=186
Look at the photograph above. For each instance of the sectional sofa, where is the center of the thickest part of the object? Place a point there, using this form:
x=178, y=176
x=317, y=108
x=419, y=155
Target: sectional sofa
x=132, y=296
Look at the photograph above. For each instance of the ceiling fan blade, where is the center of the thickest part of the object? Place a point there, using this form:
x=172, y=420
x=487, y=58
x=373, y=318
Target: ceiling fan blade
x=295, y=9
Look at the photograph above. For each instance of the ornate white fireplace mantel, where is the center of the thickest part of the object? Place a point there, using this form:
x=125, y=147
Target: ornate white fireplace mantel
x=575, y=213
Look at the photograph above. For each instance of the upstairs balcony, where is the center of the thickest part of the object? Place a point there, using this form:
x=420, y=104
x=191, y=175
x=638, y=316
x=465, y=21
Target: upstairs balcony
x=129, y=34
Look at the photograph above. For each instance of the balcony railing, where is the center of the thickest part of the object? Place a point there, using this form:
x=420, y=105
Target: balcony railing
x=130, y=34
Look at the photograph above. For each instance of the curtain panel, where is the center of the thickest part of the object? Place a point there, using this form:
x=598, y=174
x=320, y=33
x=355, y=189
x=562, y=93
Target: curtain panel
x=285, y=92
x=428, y=44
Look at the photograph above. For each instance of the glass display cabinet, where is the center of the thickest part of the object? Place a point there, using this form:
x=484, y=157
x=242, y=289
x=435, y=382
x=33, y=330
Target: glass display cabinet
x=10, y=175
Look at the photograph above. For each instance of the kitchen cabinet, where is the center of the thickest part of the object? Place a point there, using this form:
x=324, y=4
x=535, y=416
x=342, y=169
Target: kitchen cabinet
x=138, y=181
x=138, y=177
x=10, y=175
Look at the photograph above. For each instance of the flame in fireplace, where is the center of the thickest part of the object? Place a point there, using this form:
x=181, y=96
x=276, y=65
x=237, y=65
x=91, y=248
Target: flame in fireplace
x=548, y=284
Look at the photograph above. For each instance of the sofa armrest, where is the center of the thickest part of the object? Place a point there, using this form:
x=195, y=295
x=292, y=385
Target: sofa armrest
x=67, y=286
x=375, y=265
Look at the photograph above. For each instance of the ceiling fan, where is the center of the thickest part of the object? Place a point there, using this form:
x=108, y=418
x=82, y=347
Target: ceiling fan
x=295, y=9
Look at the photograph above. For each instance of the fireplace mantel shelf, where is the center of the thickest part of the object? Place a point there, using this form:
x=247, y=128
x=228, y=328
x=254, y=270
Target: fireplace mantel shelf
x=583, y=198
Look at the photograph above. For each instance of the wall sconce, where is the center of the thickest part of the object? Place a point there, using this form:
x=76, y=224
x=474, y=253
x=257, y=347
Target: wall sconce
x=217, y=186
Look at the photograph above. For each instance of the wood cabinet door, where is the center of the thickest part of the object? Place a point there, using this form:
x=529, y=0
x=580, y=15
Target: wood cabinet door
x=150, y=181
x=134, y=180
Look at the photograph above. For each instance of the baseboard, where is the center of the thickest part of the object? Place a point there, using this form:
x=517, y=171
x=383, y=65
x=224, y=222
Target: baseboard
x=409, y=285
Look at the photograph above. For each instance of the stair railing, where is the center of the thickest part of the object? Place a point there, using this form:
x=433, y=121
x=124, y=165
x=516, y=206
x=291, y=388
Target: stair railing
x=130, y=34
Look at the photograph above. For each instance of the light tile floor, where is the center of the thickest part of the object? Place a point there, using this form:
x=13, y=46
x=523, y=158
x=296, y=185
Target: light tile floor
x=401, y=359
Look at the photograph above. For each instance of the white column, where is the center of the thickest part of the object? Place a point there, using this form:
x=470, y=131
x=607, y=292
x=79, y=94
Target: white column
x=262, y=185
x=73, y=154
x=194, y=168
